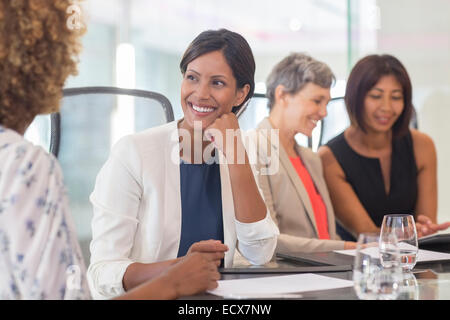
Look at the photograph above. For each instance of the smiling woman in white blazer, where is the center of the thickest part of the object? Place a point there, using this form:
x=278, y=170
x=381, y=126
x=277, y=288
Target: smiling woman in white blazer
x=137, y=223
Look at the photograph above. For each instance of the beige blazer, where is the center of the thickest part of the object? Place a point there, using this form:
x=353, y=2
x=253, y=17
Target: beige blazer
x=288, y=200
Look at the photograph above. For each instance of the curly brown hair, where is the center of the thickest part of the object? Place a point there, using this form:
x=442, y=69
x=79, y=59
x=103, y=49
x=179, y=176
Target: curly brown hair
x=38, y=52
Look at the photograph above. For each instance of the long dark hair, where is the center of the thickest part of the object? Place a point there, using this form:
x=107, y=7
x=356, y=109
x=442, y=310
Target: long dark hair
x=363, y=77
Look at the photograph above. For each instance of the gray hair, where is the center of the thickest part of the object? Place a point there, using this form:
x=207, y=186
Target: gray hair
x=294, y=72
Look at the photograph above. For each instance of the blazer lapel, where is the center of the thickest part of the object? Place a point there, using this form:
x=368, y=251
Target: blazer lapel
x=298, y=184
x=228, y=216
x=172, y=196
x=322, y=188
x=173, y=200
x=292, y=173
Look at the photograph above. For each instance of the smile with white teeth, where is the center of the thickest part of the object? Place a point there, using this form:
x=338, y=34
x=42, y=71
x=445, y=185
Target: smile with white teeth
x=202, y=109
x=383, y=119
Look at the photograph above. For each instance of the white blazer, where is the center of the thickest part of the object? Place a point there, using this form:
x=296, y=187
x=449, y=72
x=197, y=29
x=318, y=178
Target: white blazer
x=137, y=211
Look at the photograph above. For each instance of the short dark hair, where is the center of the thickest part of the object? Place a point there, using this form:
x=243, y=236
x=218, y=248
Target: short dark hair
x=237, y=53
x=363, y=77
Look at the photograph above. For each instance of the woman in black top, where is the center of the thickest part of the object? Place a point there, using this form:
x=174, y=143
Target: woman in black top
x=378, y=165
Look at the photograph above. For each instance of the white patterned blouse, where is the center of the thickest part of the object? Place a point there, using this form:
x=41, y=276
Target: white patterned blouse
x=40, y=257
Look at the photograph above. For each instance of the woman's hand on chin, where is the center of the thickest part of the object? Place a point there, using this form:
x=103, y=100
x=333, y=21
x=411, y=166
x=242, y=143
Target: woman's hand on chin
x=226, y=124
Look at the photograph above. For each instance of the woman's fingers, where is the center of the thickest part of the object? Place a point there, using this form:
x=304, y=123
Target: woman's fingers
x=208, y=246
x=425, y=226
x=442, y=226
x=215, y=257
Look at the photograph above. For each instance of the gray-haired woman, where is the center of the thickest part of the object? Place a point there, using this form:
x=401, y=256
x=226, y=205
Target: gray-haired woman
x=296, y=194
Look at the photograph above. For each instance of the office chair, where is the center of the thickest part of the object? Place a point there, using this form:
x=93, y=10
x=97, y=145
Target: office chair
x=45, y=130
x=335, y=122
x=82, y=137
x=256, y=110
x=253, y=111
x=145, y=97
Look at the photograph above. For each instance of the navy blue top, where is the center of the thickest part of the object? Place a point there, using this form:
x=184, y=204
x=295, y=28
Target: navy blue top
x=201, y=204
x=365, y=176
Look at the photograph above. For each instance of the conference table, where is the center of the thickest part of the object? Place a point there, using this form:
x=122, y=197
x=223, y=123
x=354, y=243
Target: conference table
x=427, y=281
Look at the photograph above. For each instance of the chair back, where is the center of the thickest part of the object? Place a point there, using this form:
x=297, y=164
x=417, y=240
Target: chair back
x=256, y=110
x=335, y=122
x=81, y=135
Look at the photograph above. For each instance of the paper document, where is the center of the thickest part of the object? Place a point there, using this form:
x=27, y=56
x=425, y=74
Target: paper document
x=422, y=255
x=277, y=287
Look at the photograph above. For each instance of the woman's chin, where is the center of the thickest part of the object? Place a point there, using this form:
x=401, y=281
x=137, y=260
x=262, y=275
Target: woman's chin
x=380, y=129
x=197, y=124
x=305, y=132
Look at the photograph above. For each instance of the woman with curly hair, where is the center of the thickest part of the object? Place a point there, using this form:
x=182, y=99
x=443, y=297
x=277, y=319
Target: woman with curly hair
x=38, y=242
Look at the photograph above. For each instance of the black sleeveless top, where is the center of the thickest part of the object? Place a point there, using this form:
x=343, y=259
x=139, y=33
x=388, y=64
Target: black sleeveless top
x=365, y=176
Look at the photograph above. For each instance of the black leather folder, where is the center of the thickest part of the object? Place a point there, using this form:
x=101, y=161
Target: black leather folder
x=312, y=269
x=436, y=242
x=319, y=258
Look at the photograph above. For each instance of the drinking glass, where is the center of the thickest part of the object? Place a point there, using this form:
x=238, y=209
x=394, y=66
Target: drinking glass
x=409, y=288
x=403, y=227
x=372, y=280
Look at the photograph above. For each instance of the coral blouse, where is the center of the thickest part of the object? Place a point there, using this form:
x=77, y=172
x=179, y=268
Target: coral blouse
x=319, y=208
